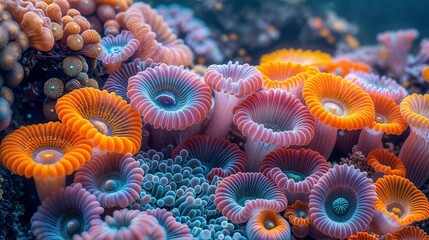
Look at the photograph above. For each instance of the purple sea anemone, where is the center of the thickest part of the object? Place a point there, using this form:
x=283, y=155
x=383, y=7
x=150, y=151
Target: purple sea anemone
x=170, y=98
x=384, y=86
x=342, y=202
x=118, y=81
x=118, y=48
x=113, y=178
x=230, y=82
x=219, y=157
x=65, y=214
x=295, y=171
x=241, y=195
x=172, y=228
x=271, y=119
x=126, y=224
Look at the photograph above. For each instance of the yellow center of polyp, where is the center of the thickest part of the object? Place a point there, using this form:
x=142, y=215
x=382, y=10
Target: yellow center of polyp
x=101, y=126
x=333, y=106
x=396, y=211
x=380, y=118
x=48, y=156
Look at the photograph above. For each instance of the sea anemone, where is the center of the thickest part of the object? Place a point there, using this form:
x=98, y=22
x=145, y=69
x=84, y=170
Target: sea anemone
x=415, y=150
x=169, y=98
x=388, y=120
x=294, y=171
x=105, y=119
x=398, y=45
x=53, y=88
x=342, y=202
x=362, y=236
x=399, y=204
x=241, y=195
x=271, y=119
x=72, y=66
x=219, y=156
x=386, y=163
x=267, y=224
x=48, y=152
x=126, y=224
x=336, y=104
x=118, y=48
x=408, y=233
x=65, y=214
x=286, y=75
x=343, y=67
x=383, y=86
x=230, y=83
x=172, y=228
x=118, y=81
x=299, y=218
x=304, y=57
x=113, y=178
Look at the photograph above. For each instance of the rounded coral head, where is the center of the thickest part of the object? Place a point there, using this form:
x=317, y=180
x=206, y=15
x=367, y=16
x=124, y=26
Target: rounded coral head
x=44, y=150
x=415, y=111
x=169, y=97
x=105, y=119
x=305, y=57
x=233, y=78
x=337, y=102
x=274, y=117
x=285, y=75
x=386, y=162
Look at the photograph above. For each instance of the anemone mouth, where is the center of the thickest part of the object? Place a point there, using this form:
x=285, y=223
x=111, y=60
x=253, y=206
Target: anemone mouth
x=48, y=155
x=337, y=102
x=397, y=208
x=71, y=223
x=44, y=150
x=167, y=100
x=274, y=117
x=334, y=106
x=380, y=118
x=102, y=126
x=111, y=182
x=341, y=205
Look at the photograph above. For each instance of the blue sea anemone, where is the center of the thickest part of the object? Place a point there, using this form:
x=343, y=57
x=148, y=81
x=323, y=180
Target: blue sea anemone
x=118, y=48
x=113, y=178
x=65, y=213
x=342, y=202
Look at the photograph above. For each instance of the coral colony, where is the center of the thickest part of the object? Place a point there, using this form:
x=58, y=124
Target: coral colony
x=124, y=120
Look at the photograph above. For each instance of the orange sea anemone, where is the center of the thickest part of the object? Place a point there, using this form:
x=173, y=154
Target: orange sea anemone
x=107, y=120
x=362, y=236
x=48, y=152
x=305, y=57
x=399, y=204
x=387, y=120
x=408, y=233
x=336, y=104
x=286, y=75
x=415, y=150
x=342, y=67
x=298, y=217
x=386, y=163
x=267, y=224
